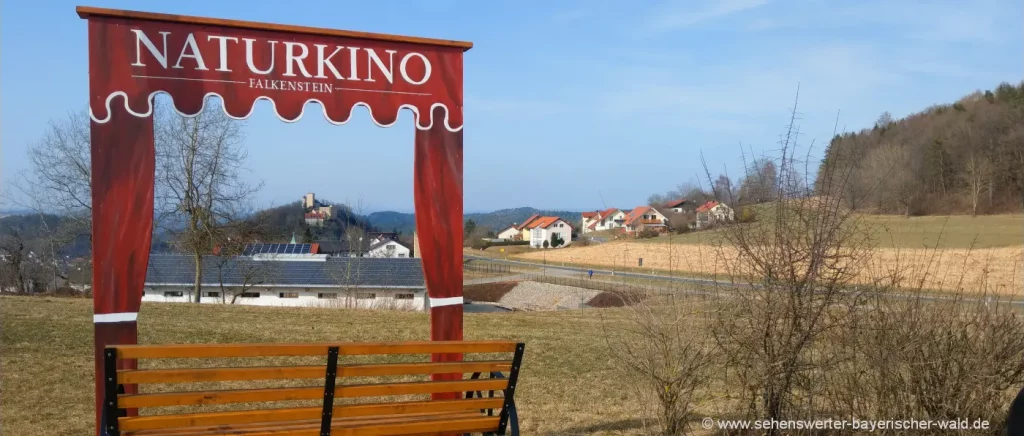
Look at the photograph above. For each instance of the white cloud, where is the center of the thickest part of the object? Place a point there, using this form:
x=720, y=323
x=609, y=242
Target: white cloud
x=670, y=19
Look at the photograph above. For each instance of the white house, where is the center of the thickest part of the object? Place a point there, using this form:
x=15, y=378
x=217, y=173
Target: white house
x=388, y=248
x=644, y=218
x=363, y=247
x=587, y=219
x=547, y=228
x=369, y=283
x=509, y=233
x=679, y=206
x=714, y=212
x=608, y=219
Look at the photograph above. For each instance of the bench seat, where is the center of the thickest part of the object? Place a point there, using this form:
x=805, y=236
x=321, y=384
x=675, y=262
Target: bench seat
x=445, y=402
x=370, y=425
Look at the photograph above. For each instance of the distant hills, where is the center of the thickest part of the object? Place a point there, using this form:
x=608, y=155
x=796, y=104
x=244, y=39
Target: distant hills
x=279, y=223
x=497, y=220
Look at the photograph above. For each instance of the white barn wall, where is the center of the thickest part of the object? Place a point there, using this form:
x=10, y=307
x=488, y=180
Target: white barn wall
x=307, y=297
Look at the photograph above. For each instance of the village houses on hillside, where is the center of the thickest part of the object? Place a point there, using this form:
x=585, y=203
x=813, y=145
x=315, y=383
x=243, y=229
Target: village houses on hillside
x=654, y=218
x=636, y=220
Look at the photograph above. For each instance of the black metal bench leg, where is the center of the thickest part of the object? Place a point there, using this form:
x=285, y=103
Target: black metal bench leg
x=513, y=419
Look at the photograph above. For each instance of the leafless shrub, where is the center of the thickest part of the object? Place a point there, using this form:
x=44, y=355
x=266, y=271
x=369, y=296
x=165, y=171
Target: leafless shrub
x=667, y=353
x=803, y=339
x=682, y=222
x=940, y=357
x=796, y=263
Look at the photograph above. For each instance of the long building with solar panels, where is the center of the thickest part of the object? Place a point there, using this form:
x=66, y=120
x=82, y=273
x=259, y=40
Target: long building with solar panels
x=289, y=276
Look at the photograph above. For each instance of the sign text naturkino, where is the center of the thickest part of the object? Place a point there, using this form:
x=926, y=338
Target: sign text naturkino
x=297, y=62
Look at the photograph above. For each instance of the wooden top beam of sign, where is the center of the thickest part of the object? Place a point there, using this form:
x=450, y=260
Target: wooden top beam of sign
x=87, y=12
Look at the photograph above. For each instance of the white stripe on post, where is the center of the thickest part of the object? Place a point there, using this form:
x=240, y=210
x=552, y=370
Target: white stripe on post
x=447, y=301
x=115, y=317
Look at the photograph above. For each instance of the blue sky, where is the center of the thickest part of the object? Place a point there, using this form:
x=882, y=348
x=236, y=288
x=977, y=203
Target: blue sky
x=570, y=105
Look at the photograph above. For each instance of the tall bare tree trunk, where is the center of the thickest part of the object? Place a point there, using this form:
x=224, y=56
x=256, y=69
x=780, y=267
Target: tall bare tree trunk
x=197, y=287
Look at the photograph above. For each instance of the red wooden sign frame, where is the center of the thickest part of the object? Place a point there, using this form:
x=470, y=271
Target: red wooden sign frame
x=135, y=55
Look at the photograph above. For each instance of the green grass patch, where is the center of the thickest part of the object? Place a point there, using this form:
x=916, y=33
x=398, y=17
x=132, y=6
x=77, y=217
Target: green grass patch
x=566, y=385
x=956, y=231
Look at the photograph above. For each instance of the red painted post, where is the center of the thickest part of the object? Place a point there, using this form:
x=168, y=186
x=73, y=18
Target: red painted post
x=437, y=187
x=123, y=164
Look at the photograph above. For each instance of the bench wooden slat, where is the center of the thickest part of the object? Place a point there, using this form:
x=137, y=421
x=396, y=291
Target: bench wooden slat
x=280, y=350
x=192, y=375
x=304, y=413
x=306, y=425
x=443, y=425
x=309, y=393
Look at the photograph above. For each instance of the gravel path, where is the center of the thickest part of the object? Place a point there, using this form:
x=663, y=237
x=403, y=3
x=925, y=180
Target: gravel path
x=545, y=296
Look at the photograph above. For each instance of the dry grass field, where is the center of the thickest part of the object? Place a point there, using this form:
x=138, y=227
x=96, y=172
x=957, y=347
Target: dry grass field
x=938, y=269
x=959, y=231
x=567, y=384
x=944, y=253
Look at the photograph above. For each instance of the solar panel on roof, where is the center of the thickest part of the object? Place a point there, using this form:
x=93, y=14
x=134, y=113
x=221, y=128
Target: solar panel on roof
x=253, y=249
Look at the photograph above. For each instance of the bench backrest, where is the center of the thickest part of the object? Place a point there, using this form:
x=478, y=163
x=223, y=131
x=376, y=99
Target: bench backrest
x=323, y=382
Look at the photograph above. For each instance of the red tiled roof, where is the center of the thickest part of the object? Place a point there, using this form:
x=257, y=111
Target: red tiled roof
x=606, y=213
x=543, y=222
x=636, y=213
x=675, y=203
x=590, y=214
x=592, y=225
x=527, y=222
x=707, y=206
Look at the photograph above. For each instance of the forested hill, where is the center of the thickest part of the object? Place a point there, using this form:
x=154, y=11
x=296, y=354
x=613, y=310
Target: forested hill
x=280, y=223
x=499, y=219
x=494, y=221
x=957, y=158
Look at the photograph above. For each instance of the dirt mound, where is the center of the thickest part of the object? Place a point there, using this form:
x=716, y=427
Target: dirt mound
x=615, y=299
x=529, y=295
x=489, y=292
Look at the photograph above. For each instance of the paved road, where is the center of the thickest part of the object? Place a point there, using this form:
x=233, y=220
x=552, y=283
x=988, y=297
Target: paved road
x=495, y=279
x=554, y=269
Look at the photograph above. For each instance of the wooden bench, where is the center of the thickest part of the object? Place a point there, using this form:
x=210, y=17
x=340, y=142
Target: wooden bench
x=461, y=412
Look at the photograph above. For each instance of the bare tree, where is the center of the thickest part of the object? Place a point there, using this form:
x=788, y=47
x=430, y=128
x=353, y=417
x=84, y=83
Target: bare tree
x=237, y=275
x=761, y=183
x=199, y=172
x=58, y=183
x=795, y=265
x=884, y=120
x=13, y=251
x=977, y=178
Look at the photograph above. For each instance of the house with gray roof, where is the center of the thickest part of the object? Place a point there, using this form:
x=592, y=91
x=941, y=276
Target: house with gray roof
x=343, y=282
